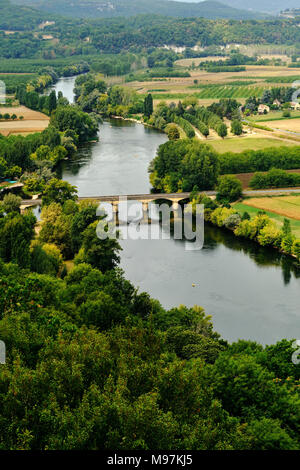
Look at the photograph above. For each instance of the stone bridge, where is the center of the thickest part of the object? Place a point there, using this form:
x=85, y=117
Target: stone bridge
x=145, y=199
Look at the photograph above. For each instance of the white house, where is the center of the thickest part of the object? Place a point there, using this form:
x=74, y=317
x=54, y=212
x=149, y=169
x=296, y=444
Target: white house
x=295, y=105
x=263, y=109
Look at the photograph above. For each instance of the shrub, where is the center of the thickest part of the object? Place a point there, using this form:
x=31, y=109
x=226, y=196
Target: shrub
x=233, y=221
x=220, y=215
x=287, y=243
x=11, y=203
x=268, y=235
x=296, y=249
x=173, y=132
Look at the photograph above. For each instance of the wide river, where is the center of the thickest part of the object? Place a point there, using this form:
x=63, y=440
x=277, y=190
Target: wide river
x=251, y=292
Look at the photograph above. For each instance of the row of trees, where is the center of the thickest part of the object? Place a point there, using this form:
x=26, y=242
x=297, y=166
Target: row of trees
x=285, y=158
x=8, y=117
x=35, y=101
x=275, y=178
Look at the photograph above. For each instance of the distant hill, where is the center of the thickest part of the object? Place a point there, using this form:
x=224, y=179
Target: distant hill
x=114, y=8
x=19, y=19
x=269, y=6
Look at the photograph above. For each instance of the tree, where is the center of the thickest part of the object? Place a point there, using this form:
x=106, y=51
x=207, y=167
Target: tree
x=286, y=228
x=101, y=254
x=183, y=165
x=68, y=117
x=58, y=191
x=11, y=203
x=222, y=130
x=80, y=221
x=173, y=132
x=3, y=167
x=236, y=127
x=148, y=105
x=45, y=259
x=52, y=102
x=229, y=188
x=16, y=233
x=150, y=62
x=56, y=228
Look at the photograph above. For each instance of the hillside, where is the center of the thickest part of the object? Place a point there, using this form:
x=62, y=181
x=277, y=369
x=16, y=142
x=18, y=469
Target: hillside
x=269, y=6
x=113, y=8
x=21, y=19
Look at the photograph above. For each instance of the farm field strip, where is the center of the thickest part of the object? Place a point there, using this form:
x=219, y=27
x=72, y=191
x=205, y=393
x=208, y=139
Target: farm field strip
x=33, y=121
x=292, y=125
x=278, y=217
x=251, y=142
x=227, y=91
x=214, y=92
x=288, y=206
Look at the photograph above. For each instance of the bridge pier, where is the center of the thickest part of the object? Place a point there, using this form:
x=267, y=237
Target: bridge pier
x=115, y=208
x=145, y=212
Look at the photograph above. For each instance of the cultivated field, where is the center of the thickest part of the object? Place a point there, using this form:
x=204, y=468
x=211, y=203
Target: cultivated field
x=33, y=121
x=276, y=207
x=292, y=125
x=198, y=60
x=288, y=206
x=210, y=87
x=274, y=116
x=253, y=142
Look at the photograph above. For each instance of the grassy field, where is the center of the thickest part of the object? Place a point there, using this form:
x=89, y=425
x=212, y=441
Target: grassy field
x=277, y=208
x=274, y=116
x=189, y=62
x=33, y=121
x=239, y=144
x=285, y=124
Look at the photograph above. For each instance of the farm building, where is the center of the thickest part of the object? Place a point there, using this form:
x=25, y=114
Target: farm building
x=295, y=105
x=277, y=103
x=263, y=109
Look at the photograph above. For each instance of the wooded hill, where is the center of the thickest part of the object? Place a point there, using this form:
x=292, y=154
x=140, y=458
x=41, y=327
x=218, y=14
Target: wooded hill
x=113, y=8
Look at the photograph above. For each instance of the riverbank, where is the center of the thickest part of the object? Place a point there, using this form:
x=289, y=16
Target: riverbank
x=137, y=121
x=259, y=228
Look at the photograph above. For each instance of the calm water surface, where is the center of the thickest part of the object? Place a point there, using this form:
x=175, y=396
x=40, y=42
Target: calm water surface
x=251, y=292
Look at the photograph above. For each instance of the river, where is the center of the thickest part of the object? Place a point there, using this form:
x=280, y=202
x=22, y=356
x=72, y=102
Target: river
x=251, y=292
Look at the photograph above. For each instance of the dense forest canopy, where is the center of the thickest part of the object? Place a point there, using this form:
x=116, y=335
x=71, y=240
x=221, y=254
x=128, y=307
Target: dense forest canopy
x=19, y=19
x=94, y=364
x=69, y=37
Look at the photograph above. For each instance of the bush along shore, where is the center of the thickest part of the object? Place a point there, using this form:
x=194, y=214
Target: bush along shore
x=261, y=228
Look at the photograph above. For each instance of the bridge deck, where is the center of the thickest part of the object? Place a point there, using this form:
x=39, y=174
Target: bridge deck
x=116, y=198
